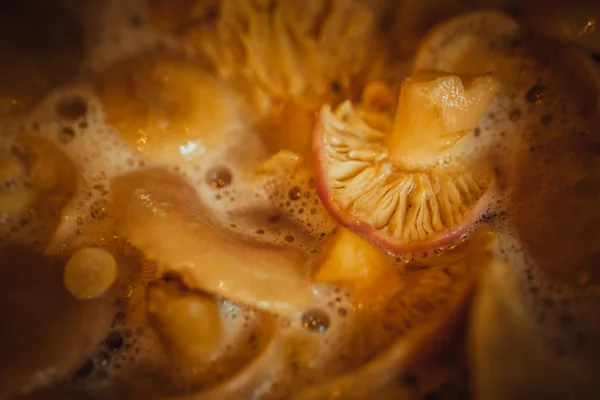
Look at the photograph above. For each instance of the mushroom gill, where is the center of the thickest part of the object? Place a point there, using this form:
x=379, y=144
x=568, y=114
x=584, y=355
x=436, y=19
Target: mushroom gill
x=411, y=183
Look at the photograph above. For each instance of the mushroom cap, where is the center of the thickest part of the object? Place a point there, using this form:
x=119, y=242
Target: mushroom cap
x=466, y=44
x=400, y=210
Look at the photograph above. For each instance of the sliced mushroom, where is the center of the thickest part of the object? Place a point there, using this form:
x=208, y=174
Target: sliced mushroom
x=46, y=333
x=521, y=349
x=162, y=216
x=467, y=44
x=168, y=107
x=354, y=263
x=422, y=317
x=38, y=180
x=410, y=184
x=286, y=58
x=90, y=272
x=187, y=322
x=247, y=381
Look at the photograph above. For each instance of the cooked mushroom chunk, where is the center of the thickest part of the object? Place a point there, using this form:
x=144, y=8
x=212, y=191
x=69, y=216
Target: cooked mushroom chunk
x=187, y=322
x=414, y=183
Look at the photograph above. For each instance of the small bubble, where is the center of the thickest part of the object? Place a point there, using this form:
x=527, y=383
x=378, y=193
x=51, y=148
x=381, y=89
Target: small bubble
x=536, y=94
x=98, y=209
x=336, y=86
x=315, y=320
x=289, y=238
x=477, y=131
x=66, y=135
x=72, y=107
x=102, y=358
x=342, y=312
x=219, y=177
x=114, y=341
x=260, y=231
x=273, y=219
x=515, y=115
x=295, y=193
x=119, y=317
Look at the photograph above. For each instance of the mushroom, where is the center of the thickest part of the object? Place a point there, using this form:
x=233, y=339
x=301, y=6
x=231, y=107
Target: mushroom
x=187, y=322
x=467, y=44
x=166, y=107
x=354, y=263
x=161, y=215
x=37, y=181
x=424, y=317
x=414, y=183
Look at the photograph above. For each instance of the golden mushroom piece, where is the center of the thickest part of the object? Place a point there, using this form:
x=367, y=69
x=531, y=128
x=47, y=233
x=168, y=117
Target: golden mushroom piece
x=286, y=57
x=187, y=322
x=466, y=44
x=410, y=184
x=166, y=107
x=89, y=273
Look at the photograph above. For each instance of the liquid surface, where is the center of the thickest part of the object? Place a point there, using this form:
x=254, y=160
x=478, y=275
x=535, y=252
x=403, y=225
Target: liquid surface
x=182, y=147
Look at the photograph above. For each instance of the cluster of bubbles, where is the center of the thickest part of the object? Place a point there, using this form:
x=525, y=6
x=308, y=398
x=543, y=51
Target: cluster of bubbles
x=283, y=210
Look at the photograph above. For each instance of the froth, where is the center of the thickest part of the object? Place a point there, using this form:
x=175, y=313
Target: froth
x=272, y=200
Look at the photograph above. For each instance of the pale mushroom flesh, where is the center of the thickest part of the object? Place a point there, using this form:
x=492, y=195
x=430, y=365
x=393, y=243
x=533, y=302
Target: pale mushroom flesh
x=408, y=184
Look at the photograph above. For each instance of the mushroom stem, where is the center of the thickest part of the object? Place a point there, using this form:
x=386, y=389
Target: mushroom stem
x=435, y=111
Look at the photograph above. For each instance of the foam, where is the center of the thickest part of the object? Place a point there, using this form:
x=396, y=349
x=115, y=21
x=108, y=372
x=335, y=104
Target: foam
x=281, y=209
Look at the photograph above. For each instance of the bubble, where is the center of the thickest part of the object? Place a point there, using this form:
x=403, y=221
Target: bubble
x=114, y=342
x=102, y=359
x=66, y=135
x=219, y=177
x=316, y=320
x=295, y=193
x=515, y=115
x=536, y=94
x=335, y=86
x=289, y=238
x=98, y=209
x=71, y=108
